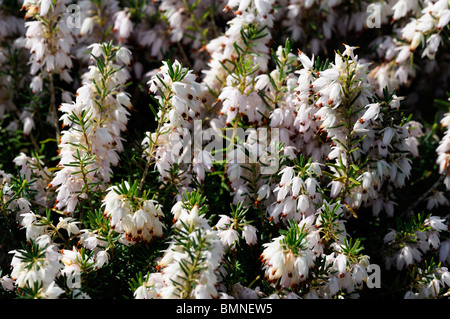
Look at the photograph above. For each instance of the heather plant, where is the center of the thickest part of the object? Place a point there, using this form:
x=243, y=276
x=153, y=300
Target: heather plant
x=197, y=149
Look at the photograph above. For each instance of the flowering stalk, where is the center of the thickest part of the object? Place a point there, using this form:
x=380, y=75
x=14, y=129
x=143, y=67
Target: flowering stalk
x=33, y=170
x=241, y=103
x=275, y=86
x=297, y=192
x=316, y=22
x=443, y=151
x=136, y=218
x=34, y=270
x=189, y=265
x=428, y=282
x=232, y=228
x=178, y=102
x=367, y=139
x=12, y=69
x=288, y=257
x=315, y=236
x=248, y=33
x=188, y=23
x=293, y=260
x=339, y=94
x=425, y=30
x=49, y=40
x=98, y=15
x=89, y=147
x=407, y=244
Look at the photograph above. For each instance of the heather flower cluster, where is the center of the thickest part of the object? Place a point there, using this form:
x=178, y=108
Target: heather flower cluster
x=224, y=149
